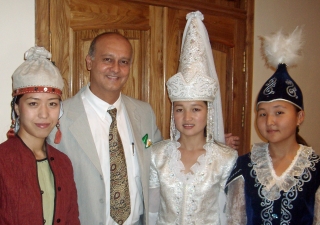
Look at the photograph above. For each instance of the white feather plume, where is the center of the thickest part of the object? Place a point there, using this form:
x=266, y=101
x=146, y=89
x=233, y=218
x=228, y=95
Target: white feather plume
x=280, y=48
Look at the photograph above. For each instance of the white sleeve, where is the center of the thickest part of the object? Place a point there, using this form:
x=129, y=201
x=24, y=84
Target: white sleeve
x=154, y=194
x=316, y=219
x=236, y=203
x=154, y=202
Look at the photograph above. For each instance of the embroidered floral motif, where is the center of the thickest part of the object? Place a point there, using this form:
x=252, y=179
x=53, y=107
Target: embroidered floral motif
x=291, y=89
x=191, y=178
x=269, y=87
x=177, y=166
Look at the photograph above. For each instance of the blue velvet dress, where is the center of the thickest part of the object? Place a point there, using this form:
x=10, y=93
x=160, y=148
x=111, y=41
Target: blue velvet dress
x=256, y=195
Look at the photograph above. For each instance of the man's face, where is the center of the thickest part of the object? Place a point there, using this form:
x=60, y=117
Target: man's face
x=110, y=66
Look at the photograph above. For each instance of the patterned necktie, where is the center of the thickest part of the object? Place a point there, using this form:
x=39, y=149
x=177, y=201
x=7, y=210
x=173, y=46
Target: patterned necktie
x=119, y=187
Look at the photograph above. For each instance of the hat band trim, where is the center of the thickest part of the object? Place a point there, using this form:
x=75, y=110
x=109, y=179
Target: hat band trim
x=280, y=99
x=51, y=90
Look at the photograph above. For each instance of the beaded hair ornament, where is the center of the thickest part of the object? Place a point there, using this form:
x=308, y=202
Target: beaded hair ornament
x=37, y=74
x=197, y=78
x=282, y=51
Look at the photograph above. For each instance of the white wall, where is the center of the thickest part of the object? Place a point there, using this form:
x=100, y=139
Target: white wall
x=271, y=15
x=17, y=29
x=17, y=35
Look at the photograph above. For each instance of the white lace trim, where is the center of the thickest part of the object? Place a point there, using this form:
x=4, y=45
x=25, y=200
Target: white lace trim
x=266, y=175
x=177, y=166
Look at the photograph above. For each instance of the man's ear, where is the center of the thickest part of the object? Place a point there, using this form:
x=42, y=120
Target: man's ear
x=301, y=115
x=88, y=62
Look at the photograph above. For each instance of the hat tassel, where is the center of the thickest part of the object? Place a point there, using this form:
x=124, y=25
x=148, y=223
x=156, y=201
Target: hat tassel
x=58, y=135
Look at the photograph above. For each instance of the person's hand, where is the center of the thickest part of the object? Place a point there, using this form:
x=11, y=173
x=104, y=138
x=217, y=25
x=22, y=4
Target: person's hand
x=232, y=141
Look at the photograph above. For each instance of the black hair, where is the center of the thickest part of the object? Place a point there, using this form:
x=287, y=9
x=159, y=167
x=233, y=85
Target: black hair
x=299, y=139
x=205, y=128
x=14, y=101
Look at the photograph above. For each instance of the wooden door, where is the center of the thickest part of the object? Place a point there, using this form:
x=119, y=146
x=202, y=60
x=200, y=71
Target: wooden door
x=155, y=30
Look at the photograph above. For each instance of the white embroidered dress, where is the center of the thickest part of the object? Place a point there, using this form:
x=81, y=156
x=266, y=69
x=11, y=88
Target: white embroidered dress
x=190, y=198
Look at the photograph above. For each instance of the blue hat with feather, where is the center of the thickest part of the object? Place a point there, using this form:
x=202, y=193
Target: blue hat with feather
x=280, y=52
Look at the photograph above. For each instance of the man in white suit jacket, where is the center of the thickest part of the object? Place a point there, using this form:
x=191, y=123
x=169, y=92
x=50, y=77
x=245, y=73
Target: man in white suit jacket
x=109, y=62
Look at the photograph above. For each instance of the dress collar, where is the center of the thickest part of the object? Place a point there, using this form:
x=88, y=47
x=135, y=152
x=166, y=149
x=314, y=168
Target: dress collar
x=273, y=184
x=177, y=166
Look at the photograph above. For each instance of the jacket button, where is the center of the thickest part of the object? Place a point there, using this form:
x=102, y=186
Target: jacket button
x=41, y=192
x=51, y=158
x=59, y=188
x=58, y=220
x=44, y=221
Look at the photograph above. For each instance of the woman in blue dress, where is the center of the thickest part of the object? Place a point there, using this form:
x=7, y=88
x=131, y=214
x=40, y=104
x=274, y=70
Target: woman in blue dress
x=278, y=181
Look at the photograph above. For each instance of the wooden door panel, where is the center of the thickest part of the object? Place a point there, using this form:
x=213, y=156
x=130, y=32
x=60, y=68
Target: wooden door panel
x=154, y=84
x=111, y=14
x=59, y=30
x=239, y=111
x=173, y=32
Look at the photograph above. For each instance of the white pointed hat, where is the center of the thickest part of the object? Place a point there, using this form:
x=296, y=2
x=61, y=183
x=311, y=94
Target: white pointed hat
x=197, y=79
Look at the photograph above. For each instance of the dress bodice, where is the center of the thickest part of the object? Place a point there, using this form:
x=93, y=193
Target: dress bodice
x=190, y=198
x=291, y=198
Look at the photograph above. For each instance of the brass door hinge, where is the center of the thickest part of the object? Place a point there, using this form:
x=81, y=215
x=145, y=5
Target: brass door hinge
x=244, y=62
x=242, y=117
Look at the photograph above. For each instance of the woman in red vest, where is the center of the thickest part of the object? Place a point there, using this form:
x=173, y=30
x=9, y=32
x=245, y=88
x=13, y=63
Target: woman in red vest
x=36, y=180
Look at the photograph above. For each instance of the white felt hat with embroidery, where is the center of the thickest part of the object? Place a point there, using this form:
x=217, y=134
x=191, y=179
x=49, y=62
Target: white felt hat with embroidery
x=37, y=74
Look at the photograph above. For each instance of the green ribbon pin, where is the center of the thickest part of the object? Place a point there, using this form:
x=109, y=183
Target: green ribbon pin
x=145, y=139
x=147, y=142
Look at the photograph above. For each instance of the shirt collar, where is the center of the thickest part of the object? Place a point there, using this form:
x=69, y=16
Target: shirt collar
x=99, y=105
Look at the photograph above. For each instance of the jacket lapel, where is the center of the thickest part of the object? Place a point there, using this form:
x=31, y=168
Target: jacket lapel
x=80, y=130
x=135, y=119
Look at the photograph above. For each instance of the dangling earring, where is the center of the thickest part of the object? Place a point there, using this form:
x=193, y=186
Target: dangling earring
x=11, y=132
x=57, y=138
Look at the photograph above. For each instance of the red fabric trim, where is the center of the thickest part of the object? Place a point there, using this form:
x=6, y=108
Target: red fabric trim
x=51, y=90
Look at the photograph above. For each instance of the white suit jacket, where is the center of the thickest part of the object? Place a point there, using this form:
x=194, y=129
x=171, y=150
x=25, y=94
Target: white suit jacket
x=77, y=142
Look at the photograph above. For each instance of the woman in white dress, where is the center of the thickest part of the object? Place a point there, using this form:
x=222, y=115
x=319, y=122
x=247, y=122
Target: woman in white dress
x=189, y=171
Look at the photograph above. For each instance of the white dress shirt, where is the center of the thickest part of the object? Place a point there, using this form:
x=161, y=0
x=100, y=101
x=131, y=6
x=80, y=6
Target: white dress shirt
x=100, y=120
